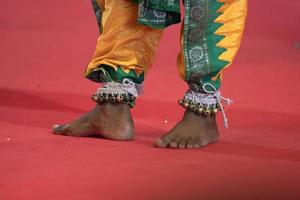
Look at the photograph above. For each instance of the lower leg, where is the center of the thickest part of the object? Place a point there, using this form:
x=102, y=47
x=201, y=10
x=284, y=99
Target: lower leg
x=198, y=126
x=125, y=49
x=210, y=40
x=111, y=116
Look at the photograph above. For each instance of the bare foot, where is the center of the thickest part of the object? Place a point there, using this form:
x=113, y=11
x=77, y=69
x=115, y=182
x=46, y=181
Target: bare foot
x=193, y=131
x=112, y=121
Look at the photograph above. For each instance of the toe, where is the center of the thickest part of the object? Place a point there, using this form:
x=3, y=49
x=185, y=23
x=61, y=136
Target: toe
x=182, y=144
x=161, y=143
x=197, y=143
x=190, y=144
x=201, y=143
x=60, y=129
x=174, y=143
x=164, y=141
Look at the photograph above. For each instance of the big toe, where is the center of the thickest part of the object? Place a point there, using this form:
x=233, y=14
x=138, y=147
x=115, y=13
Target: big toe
x=161, y=143
x=60, y=129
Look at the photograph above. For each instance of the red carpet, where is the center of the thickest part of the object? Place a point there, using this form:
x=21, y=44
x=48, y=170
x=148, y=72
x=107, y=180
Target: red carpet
x=45, y=46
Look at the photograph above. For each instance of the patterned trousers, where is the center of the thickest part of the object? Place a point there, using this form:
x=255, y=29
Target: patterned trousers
x=211, y=34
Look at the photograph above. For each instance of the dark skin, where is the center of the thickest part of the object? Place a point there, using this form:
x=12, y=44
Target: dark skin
x=114, y=121
x=111, y=121
x=193, y=131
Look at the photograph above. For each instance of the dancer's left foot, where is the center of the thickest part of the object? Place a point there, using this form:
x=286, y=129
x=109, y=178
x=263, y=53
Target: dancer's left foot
x=193, y=131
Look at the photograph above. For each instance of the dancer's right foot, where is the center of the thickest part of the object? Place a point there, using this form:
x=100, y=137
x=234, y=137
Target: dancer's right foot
x=112, y=121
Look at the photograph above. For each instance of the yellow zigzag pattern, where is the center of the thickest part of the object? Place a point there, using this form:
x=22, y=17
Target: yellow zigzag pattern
x=233, y=17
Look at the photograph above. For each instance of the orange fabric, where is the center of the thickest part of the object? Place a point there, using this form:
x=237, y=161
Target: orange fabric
x=124, y=42
x=180, y=57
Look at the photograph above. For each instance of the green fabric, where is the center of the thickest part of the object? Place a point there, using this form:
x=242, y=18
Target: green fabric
x=214, y=52
x=118, y=75
x=201, y=53
x=98, y=14
x=106, y=73
x=158, y=13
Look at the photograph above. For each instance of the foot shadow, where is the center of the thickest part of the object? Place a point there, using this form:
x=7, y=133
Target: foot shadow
x=28, y=108
x=254, y=151
x=37, y=100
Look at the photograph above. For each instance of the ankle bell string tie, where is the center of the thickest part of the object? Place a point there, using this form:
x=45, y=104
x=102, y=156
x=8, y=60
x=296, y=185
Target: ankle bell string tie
x=127, y=86
x=130, y=87
x=219, y=98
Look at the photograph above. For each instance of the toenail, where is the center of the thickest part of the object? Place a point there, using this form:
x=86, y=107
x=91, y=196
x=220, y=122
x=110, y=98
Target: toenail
x=55, y=126
x=160, y=143
x=173, y=145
